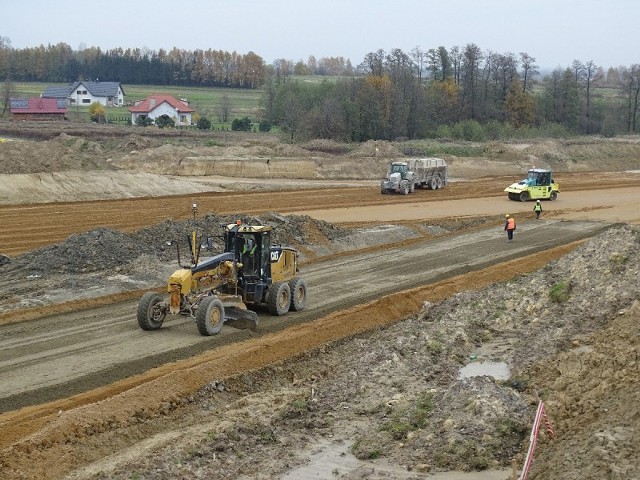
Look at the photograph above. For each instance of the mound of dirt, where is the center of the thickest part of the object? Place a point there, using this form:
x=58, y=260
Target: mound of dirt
x=376, y=148
x=59, y=154
x=105, y=249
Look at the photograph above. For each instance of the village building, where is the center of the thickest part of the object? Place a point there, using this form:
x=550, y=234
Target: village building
x=162, y=105
x=38, y=109
x=84, y=93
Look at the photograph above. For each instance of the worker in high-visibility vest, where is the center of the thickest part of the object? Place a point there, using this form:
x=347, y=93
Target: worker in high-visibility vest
x=538, y=209
x=248, y=256
x=510, y=226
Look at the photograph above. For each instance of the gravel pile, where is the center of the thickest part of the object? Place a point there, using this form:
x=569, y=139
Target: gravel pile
x=107, y=249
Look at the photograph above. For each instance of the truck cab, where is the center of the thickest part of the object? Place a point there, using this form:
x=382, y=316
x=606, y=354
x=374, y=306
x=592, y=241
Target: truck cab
x=399, y=179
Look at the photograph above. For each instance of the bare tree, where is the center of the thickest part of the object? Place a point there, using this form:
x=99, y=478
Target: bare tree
x=7, y=93
x=631, y=82
x=312, y=64
x=439, y=63
x=578, y=70
x=374, y=63
x=471, y=59
x=419, y=57
x=590, y=70
x=455, y=54
x=7, y=86
x=529, y=69
x=225, y=108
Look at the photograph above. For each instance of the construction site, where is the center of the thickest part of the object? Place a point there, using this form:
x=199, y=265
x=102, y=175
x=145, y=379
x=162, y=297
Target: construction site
x=425, y=344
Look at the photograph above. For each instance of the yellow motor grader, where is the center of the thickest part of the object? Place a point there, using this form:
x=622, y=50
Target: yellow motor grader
x=217, y=290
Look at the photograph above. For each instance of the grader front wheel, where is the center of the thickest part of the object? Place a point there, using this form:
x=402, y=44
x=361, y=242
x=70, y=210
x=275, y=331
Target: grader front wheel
x=210, y=316
x=150, y=312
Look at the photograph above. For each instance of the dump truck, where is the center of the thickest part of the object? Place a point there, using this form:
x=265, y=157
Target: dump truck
x=539, y=185
x=403, y=177
x=250, y=272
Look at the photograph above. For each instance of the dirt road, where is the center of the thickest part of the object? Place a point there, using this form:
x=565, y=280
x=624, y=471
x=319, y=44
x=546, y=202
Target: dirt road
x=68, y=354
x=607, y=196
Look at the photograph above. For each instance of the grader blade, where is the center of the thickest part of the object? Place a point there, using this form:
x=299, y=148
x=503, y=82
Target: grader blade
x=241, y=318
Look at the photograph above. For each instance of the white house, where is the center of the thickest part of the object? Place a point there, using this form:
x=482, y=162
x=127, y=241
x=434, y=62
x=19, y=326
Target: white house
x=85, y=93
x=162, y=105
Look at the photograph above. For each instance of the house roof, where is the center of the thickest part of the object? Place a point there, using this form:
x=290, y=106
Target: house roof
x=38, y=105
x=152, y=102
x=97, y=89
x=57, y=92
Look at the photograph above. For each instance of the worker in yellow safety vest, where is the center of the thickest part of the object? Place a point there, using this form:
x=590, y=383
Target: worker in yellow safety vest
x=537, y=209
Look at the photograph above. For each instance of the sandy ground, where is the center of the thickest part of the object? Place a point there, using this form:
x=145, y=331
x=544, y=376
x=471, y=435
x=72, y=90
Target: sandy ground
x=582, y=197
x=81, y=399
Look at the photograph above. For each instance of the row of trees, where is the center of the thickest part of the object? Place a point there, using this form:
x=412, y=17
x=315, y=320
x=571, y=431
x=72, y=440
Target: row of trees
x=59, y=63
x=215, y=68
x=388, y=95
x=413, y=94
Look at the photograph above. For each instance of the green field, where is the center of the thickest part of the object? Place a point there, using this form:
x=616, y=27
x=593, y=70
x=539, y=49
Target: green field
x=205, y=100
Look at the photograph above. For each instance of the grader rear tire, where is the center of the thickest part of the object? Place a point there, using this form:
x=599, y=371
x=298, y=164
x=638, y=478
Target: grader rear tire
x=279, y=298
x=150, y=315
x=210, y=316
x=298, y=289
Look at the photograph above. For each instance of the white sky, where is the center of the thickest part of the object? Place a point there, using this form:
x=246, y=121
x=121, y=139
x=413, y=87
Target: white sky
x=554, y=32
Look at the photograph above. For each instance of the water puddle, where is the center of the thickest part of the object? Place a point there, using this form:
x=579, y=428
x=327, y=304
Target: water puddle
x=327, y=460
x=333, y=459
x=497, y=370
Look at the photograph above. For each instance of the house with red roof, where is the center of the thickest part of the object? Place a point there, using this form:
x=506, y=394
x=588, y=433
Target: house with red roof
x=38, y=108
x=162, y=105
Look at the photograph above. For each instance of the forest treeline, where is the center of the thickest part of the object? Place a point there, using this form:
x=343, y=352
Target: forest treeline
x=134, y=66
x=457, y=93
x=439, y=92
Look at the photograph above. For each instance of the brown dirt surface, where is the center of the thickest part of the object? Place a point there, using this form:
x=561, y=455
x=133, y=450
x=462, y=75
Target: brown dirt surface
x=407, y=293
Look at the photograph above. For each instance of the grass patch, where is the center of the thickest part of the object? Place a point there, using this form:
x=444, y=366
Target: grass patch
x=414, y=418
x=434, y=347
x=438, y=149
x=206, y=101
x=560, y=292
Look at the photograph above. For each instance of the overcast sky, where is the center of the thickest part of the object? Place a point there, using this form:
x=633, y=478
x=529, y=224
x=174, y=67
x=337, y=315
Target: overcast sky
x=554, y=32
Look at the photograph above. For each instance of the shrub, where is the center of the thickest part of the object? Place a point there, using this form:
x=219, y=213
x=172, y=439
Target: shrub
x=559, y=293
x=164, y=121
x=97, y=113
x=264, y=126
x=241, y=124
x=203, y=124
x=143, y=121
